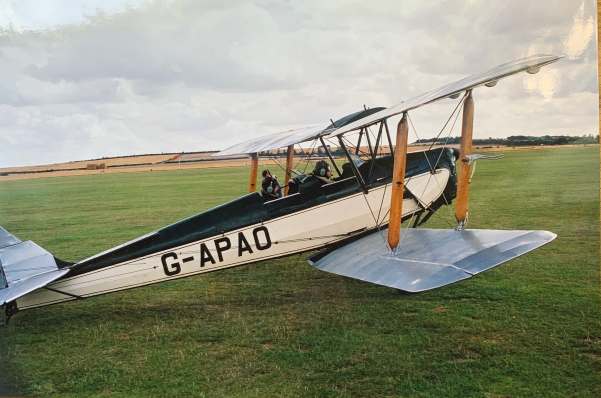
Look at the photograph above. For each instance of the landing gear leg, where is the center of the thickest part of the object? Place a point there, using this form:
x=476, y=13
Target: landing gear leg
x=6, y=312
x=462, y=224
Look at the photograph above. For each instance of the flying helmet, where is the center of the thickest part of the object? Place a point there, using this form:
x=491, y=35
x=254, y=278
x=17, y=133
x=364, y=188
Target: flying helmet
x=321, y=168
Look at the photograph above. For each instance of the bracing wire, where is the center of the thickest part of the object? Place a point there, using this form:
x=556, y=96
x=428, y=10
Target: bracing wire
x=378, y=222
x=452, y=117
x=310, y=155
x=459, y=103
x=364, y=195
x=305, y=158
x=433, y=169
x=456, y=114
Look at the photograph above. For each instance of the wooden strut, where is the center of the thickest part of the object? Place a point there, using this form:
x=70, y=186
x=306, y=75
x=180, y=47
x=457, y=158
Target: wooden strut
x=398, y=183
x=254, y=167
x=465, y=168
x=289, y=160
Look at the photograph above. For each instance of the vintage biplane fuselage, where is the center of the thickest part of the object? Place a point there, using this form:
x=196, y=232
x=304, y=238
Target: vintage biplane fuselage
x=354, y=218
x=250, y=229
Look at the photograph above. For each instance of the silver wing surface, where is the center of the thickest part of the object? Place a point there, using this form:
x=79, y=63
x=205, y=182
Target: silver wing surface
x=273, y=141
x=428, y=258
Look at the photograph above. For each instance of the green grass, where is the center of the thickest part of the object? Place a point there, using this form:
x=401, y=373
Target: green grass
x=530, y=328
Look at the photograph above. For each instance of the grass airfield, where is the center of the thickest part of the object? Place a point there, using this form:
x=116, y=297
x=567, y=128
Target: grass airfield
x=530, y=328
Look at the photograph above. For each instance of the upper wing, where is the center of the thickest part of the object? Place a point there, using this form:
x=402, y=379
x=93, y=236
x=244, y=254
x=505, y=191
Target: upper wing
x=530, y=64
x=294, y=136
x=356, y=120
x=271, y=141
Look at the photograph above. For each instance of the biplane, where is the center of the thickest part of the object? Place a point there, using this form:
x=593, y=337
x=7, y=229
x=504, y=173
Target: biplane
x=353, y=218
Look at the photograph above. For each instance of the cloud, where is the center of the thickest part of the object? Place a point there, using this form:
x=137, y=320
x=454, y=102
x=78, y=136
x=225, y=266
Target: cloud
x=192, y=75
x=580, y=34
x=545, y=82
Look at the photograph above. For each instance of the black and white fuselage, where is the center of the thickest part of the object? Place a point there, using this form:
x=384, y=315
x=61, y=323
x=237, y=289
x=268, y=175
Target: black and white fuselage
x=256, y=231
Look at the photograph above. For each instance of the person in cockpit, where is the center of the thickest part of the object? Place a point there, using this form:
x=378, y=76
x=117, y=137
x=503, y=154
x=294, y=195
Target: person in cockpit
x=323, y=171
x=270, y=187
x=321, y=175
x=347, y=171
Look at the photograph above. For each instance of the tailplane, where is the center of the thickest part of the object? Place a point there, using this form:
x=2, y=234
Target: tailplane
x=24, y=267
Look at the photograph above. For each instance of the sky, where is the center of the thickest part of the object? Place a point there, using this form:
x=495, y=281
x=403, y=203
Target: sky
x=92, y=78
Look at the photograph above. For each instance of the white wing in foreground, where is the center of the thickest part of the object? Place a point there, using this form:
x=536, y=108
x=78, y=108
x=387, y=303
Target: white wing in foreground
x=428, y=258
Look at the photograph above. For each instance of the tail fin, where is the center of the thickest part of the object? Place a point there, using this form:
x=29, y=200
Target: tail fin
x=24, y=267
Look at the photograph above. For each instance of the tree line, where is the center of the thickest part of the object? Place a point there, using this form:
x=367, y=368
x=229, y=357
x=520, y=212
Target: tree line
x=523, y=140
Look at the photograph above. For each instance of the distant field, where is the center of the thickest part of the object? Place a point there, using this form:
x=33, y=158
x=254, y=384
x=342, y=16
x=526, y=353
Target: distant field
x=128, y=169
x=172, y=161
x=124, y=160
x=530, y=328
